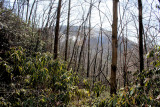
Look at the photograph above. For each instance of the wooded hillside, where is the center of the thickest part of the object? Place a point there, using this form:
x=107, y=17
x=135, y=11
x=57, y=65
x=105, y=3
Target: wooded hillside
x=96, y=53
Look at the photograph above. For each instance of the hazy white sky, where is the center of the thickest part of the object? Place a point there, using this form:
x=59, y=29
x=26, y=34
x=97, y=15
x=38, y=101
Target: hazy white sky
x=79, y=7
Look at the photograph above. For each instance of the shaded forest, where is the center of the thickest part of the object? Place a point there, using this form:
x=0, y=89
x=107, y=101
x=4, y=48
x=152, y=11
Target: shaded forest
x=89, y=53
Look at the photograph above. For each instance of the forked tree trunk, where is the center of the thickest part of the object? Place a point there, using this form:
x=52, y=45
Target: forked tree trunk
x=114, y=48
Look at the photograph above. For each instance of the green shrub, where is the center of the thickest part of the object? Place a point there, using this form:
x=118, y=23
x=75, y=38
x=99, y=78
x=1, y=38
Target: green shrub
x=36, y=79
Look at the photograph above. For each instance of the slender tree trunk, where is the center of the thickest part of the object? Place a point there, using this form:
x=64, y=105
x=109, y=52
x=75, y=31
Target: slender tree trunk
x=14, y=4
x=95, y=62
x=82, y=48
x=140, y=40
x=84, y=59
x=126, y=68
x=145, y=48
x=67, y=33
x=107, y=60
x=57, y=30
x=18, y=4
x=27, y=10
x=75, y=58
x=101, y=60
x=23, y=8
x=74, y=47
x=31, y=11
x=88, y=62
x=114, y=48
x=124, y=61
x=34, y=16
x=49, y=13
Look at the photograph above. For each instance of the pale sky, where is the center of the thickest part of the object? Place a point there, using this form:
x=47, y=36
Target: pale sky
x=77, y=7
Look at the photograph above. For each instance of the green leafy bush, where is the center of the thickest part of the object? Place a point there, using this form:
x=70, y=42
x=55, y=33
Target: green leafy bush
x=36, y=79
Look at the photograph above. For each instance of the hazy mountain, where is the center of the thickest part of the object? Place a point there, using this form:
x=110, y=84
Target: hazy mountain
x=95, y=37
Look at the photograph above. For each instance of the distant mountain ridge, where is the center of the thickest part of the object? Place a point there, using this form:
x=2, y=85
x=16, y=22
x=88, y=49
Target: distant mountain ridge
x=95, y=36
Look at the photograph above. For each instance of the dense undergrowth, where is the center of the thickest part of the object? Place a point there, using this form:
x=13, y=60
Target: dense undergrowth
x=38, y=80
x=35, y=80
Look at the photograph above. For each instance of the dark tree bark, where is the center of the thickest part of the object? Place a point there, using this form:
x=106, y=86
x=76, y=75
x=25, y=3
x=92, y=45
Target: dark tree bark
x=114, y=48
x=57, y=30
x=140, y=40
x=67, y=33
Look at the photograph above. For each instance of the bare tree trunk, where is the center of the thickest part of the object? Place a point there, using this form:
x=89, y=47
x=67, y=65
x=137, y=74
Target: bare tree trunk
x=124, y=60
x=49, y=13
x=84, y=54
x=101, y=56
x=31, y=11
x=13, y=4
x=88, y=62
x=34, y=15
x=101, y=60
x=114, y=48
x=67, y=33
x=145, y=48
x=73, y=52
x=82, y=48
x=75, y=58
x=95, y=62
x=107, y=60
x=23, y=9
x=140, y=40
x=18, y=4
x=57, y=30
x=27, y=10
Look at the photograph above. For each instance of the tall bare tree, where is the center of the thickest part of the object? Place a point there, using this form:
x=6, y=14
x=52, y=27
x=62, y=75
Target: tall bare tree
x=89, y=34
x=114, y=48
x=67, y=33
x=57, y=30
x=141, y=60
